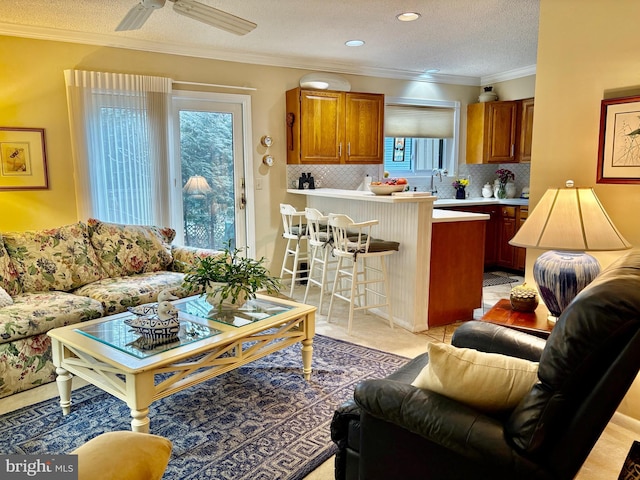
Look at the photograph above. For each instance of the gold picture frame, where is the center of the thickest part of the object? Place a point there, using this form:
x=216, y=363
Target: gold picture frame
x=619, y=143
x=23, y=159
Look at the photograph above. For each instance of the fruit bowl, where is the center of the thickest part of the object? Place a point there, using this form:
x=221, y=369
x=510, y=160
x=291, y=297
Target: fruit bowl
x=386, y=189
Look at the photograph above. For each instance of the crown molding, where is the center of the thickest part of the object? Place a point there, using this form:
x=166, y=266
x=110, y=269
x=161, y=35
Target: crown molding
x=509, y=75
x=104, y=40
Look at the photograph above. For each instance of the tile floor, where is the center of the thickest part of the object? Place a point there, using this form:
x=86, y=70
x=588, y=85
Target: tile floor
x=372, y=331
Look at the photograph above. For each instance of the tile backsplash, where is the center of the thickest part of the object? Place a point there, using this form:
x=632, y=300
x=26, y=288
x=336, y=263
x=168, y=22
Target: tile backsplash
x=350, y=177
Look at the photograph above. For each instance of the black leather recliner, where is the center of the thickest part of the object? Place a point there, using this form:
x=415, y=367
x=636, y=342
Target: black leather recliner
x=394, y=430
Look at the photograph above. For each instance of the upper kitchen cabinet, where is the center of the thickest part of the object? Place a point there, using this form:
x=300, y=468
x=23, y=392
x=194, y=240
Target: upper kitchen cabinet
x=499, y=132
x=526, y=130
x=326, y=127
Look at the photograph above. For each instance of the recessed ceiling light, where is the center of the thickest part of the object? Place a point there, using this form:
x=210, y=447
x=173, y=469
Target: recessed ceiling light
x=432, y=70
x=408, y=16
x=354, y=43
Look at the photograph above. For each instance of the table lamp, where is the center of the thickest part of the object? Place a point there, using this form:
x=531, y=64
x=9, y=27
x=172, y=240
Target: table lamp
x=567, y=221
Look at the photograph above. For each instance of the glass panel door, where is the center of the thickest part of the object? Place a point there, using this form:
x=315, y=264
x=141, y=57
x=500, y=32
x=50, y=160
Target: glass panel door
x=209, y=139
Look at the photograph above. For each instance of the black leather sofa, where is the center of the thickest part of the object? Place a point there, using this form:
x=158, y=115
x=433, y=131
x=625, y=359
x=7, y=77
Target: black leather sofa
x=391, y=429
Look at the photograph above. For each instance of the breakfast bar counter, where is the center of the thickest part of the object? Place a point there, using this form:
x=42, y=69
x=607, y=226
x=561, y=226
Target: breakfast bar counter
x=407, y=218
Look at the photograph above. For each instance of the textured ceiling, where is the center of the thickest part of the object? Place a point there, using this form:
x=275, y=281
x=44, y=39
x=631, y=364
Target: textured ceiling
x=467, y=40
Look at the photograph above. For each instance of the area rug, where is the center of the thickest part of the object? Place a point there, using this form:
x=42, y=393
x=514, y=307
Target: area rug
x=262, y=421
x=492, y=279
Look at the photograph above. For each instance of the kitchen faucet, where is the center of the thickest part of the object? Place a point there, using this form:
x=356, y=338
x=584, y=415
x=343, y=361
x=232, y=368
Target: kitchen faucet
x=436, y=172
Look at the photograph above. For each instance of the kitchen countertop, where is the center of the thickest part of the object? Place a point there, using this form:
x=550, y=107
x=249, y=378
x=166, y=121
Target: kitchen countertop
x=445, y=216
x=406, y=197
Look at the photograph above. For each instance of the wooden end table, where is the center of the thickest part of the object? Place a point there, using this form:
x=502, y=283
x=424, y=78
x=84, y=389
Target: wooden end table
x=534, y=323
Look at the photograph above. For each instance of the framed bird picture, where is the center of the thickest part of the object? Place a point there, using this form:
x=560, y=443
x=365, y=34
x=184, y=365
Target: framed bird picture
x=619, y=143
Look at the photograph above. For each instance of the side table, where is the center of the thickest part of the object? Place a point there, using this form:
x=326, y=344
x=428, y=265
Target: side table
x=534, y=323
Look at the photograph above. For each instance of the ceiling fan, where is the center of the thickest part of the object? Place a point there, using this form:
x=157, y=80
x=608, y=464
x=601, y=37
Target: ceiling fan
x=189, y=8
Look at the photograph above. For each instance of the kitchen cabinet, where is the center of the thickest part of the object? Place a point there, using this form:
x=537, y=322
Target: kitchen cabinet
x=327, y=127
x=526, y=130
x=499, y=132
x=510, y=257
x=491, y=230
x=504, y=222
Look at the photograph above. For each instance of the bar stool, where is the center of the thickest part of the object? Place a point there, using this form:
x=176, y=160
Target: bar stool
x=295, y=231
x=357, y=253
x=320, y=241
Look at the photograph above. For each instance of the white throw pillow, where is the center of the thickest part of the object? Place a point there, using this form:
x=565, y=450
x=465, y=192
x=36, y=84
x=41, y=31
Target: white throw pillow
x=487, y=381
x=5, y=298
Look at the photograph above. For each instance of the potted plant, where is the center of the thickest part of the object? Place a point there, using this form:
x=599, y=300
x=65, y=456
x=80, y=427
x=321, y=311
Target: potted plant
x=230, y=278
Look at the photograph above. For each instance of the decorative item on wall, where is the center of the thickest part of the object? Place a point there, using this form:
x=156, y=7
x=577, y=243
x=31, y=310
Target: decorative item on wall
x=567, y=222
x=619, y=144
x=23, y=159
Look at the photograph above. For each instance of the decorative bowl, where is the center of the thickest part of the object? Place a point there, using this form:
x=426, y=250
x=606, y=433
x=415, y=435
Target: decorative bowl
x=385, y=189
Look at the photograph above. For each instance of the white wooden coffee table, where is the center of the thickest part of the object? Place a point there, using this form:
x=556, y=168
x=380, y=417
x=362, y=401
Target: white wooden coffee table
x=109, y=355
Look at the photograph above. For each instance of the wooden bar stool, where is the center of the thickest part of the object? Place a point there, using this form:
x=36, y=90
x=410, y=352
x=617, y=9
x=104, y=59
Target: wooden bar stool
x=361, y=265
x=320, y=241
x=295, y=231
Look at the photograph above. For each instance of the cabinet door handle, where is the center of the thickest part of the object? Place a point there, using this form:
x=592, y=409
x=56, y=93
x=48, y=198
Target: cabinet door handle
x=340, y=149
x=349, y=149
x=513, y=149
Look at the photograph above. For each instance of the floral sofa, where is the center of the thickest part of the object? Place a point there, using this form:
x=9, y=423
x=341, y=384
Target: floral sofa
x=66, y=275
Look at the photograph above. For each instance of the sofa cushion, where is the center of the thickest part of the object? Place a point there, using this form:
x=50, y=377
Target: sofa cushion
x=34, y=313
x=130, y=249
x=116, y=294
x=8, y=272
x=487, y=381
x=26, y=363
x=56, y=259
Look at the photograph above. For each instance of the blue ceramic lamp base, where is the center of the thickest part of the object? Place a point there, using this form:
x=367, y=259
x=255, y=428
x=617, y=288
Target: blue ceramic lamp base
x=560, y=276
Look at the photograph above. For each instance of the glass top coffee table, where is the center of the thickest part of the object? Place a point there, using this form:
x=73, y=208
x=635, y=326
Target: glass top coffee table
x=140, y=370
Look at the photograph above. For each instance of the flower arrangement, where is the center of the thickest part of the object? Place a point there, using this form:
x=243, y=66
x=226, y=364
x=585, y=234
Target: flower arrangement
x=504, y=175
x=460, y=183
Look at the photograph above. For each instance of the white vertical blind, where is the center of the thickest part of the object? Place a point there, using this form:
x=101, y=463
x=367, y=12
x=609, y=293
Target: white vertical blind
x=119, y=132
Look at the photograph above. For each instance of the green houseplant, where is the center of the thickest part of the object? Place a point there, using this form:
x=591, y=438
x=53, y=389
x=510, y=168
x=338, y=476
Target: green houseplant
x=230, y=278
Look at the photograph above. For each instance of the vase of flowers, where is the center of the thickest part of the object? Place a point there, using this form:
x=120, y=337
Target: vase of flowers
x=460, y=185
x=504, y=175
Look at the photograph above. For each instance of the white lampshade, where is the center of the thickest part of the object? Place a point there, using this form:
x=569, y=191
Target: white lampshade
x=570, y=219
x=197, y=186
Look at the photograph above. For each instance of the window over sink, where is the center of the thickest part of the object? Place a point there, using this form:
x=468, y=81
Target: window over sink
x=420, y=136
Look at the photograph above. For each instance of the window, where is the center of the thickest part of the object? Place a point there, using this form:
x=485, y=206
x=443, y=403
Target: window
x=130, y=170
x=420, y=136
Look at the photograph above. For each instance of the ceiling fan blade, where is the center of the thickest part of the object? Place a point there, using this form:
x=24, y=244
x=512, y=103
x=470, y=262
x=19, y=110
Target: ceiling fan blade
x=139, y=14
x=213, y=16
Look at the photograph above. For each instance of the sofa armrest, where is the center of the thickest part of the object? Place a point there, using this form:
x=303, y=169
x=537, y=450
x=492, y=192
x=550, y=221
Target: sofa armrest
x=185, y=258
x=491, y=338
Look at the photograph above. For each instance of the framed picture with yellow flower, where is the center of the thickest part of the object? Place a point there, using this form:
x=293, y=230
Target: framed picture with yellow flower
x=23, y=159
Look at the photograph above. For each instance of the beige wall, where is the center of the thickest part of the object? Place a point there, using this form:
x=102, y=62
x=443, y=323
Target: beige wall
x=587, y=51
x=32, y=94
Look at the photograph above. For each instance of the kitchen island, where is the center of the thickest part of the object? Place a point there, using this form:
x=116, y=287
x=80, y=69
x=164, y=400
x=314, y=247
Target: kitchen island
x=406, y=218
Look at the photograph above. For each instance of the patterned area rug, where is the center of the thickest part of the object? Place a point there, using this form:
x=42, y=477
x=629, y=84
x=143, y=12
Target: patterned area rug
x=261, y=421
x=492, y=279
